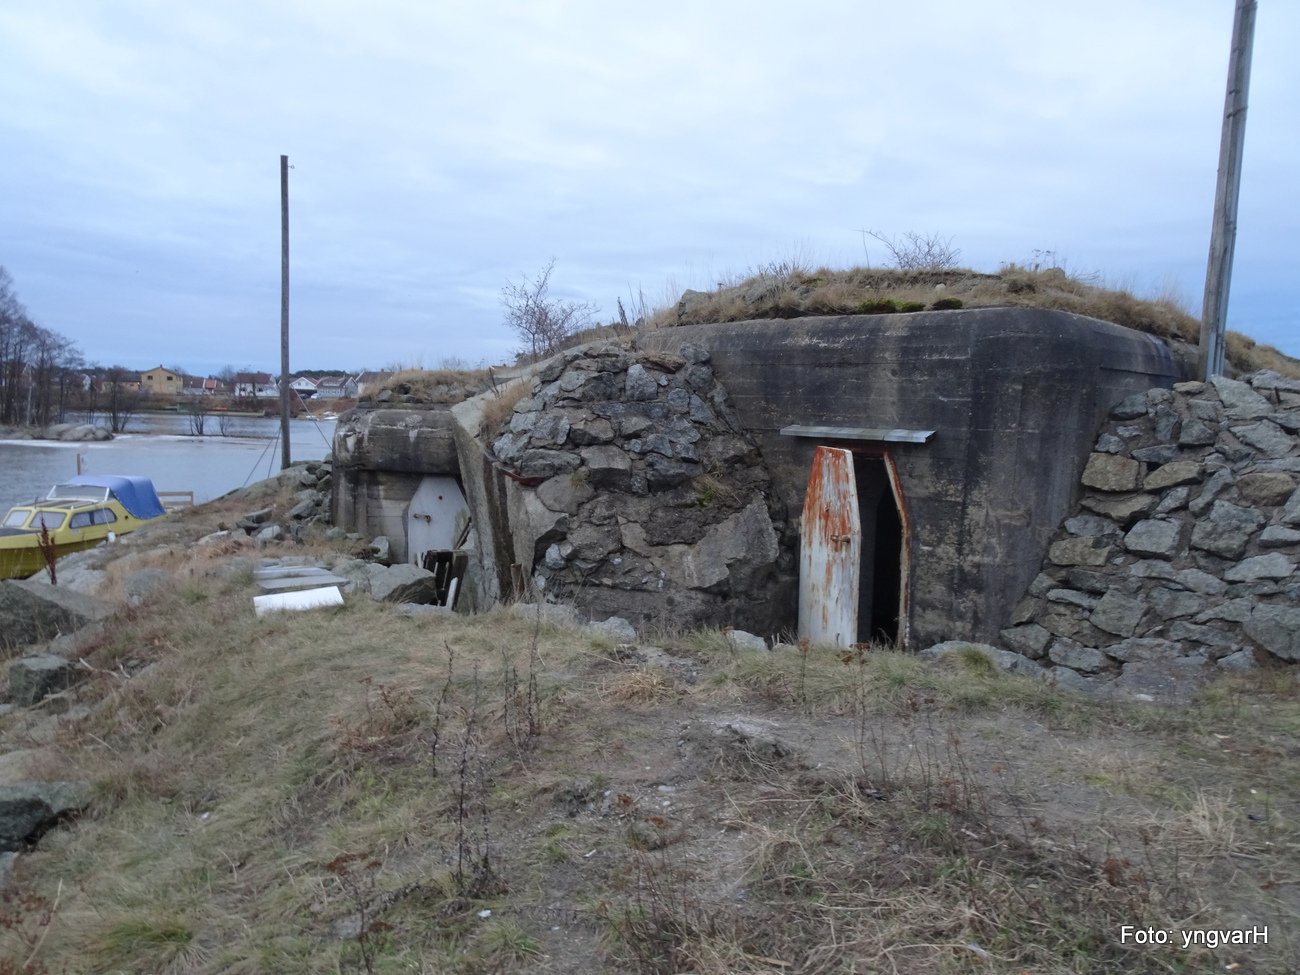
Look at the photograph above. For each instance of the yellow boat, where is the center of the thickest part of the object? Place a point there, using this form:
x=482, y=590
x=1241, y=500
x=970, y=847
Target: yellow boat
x=78, y=514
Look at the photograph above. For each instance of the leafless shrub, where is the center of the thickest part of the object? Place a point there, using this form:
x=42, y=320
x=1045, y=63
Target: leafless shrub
x=542, y=321
x=49, y=552
x=197, y=414
x=918, y=252
x=473, y=873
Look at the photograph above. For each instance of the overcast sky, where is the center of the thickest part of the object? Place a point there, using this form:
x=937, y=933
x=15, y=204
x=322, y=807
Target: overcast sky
x=441, y=150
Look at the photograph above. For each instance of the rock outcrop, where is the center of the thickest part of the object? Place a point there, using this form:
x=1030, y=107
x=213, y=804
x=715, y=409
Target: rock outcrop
x=32, y=611
x=30, y=809
x=631, y=490
x=76, y=432
x=67, y=432
x=1182, y=555
x=34, y=678
x=314, y=483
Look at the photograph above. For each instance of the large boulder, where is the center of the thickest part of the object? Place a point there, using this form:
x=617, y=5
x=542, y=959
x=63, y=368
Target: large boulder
x=29, y=809
x=402, y=584
x=32, y=679
x=32, y=611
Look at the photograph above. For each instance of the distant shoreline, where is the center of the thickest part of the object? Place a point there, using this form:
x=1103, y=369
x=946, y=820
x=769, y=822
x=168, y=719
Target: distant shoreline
x=58, y=433
x=85, y=432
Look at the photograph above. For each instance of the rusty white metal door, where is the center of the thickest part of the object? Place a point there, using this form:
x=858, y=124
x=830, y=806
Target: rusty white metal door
x=436, y=517
x=830, y=551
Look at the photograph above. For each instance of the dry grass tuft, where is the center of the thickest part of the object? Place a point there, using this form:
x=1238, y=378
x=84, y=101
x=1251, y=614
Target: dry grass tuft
x=497, y=409
x=644, y=686
x=432, y=385
x=1247, y=355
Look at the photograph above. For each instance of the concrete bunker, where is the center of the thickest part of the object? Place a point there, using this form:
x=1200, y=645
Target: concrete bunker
x=398, y=476
x=983, y=419
x=966, y=433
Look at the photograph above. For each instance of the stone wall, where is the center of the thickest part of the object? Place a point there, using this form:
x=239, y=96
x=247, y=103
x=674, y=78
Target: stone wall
x=1182, y=553
x=630, y=489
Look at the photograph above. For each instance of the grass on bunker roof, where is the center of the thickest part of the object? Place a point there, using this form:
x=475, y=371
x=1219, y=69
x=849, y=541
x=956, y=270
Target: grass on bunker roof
x=351, y=790
x=795, y=288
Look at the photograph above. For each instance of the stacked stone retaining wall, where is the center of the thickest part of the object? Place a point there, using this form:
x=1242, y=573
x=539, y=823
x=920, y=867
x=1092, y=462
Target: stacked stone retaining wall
x=632, y=490
x=1181, y=556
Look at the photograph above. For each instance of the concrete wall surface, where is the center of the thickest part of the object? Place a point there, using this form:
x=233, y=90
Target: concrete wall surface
x=1015, y=398
x=412, y=440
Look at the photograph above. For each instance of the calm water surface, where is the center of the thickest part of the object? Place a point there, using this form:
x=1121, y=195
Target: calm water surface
x=159, y=446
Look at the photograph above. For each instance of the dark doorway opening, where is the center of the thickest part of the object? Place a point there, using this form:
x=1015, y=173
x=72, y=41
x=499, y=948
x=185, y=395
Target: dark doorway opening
x=881, y=576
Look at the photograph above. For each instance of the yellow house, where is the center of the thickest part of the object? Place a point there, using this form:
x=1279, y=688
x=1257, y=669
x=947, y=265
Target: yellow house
x=161, y=381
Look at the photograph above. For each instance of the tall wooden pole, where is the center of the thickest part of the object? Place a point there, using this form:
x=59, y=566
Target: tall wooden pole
x=1223, y=233
x=284, y=312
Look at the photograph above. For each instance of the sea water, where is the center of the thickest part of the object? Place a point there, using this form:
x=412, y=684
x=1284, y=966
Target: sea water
x=160, y=447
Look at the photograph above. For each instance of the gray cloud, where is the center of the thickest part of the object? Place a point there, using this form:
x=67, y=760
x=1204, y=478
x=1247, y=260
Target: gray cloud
x=441, y=150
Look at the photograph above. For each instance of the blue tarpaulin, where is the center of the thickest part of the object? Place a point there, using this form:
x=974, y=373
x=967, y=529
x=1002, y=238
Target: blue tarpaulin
x=136, y=494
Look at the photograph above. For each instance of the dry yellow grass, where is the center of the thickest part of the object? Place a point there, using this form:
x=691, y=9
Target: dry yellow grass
x=497, y=409
x=268, y=791
x=433, y=385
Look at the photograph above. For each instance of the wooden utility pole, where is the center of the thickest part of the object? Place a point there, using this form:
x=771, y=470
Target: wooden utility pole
x=284, y=312
x=1223, y=233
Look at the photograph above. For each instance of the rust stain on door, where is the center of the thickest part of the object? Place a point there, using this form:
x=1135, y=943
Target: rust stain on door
x=830, y=551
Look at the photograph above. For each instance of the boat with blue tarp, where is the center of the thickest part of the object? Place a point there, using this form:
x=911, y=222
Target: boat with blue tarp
x=78, y=514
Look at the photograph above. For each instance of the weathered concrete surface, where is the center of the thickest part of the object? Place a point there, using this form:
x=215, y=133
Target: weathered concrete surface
x=408, y=441
x=490, y=546
x=1015, y=397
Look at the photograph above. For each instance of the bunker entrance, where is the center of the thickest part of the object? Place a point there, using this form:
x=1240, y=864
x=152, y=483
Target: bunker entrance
x=853, y=562
x=880, y=572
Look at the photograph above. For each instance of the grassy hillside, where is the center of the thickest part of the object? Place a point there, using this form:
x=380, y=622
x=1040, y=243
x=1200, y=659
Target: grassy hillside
x=350, y=790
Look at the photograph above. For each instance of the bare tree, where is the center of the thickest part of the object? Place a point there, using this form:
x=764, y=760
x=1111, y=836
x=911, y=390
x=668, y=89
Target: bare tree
x=123, y=395
x=197, y=411
x=918, y=252
x=543, y=322
x=227, y=376
x=34, y=363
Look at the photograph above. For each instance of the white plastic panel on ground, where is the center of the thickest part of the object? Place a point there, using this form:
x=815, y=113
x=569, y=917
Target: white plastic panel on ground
x=301, y=599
